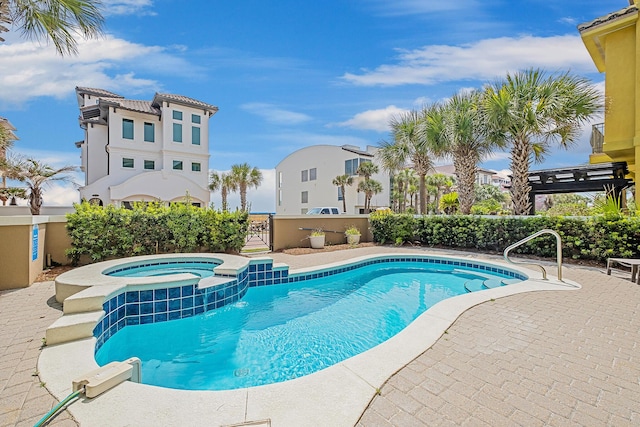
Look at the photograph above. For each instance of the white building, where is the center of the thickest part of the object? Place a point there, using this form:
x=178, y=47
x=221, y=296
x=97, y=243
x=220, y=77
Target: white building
x=304, y=179
x=483, y=176
x=143, y=150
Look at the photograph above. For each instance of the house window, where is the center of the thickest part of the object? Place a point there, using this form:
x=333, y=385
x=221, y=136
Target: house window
x=305, y=197
x=195, y=135
x=177, y=132
x=340, y=195
x=305, y=175
x=195, y=167
x=127, y=129
x=177, y=165
x=279, y=179
x=312, y=174
x=195, y=118
x=149, y=132
x=279, y=197
x=177, y=115
x=149, y=164
x=127, y=163
x=350, y=167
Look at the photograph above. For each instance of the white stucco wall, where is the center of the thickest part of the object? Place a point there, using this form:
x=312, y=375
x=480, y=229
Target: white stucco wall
x=105, y=148
x=329, y=162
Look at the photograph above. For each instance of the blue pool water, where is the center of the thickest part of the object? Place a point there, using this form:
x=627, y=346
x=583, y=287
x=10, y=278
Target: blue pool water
x=280, y=332
x=198, y=268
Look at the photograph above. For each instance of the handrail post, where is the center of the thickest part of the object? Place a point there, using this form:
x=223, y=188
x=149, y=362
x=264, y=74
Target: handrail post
x=531, y=237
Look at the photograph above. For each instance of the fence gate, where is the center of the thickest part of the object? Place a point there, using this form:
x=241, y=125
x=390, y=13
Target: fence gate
x=259, y=234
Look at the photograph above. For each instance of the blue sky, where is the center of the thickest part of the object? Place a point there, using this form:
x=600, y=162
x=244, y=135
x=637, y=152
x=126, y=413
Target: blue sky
x=288, y=74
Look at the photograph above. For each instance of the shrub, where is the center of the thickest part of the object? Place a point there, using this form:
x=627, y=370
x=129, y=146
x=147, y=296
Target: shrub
x=109, y=232
x=392, y=228
x=593, y=238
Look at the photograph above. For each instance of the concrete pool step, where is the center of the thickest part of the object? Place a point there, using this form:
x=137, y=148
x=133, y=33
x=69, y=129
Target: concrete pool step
x=492, y=283
x=474, y=285
x=72, y=327
x=481, y=284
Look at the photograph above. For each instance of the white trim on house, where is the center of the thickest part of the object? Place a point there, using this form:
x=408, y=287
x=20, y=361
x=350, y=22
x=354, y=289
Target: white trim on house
x=125, y=138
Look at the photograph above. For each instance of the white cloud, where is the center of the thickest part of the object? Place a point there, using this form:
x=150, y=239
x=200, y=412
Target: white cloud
x=29, y=70
x=60, y=195
x=273, y=114
x=127, y=7
x=377, y=120
x=483, y=60
x=419, y=7
x=261, y=199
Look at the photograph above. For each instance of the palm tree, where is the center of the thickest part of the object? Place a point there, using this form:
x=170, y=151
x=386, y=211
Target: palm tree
x=366, y=169
x=463, y=137
x=244, y=177
x=223, y=182
x=392, y=161
x=342, y=181
x=6, y=140
x=413, y=144
x=529, y=110
x=369, y=187
x=440, y=182
x=57, y=21
x=37, y=175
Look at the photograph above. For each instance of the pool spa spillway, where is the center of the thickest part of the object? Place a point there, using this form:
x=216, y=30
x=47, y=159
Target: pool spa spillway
x=252, y=323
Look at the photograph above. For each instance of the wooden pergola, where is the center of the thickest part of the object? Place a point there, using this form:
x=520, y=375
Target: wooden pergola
x=609, y=177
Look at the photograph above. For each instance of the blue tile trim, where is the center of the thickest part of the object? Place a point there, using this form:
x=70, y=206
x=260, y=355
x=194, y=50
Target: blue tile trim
x=162, y=304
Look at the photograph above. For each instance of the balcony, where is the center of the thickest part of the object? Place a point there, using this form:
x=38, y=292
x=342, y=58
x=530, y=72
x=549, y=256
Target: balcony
x=597, y=138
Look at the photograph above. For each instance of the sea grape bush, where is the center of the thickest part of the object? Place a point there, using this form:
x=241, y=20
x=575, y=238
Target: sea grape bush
x=149, y=228
x=591, y=238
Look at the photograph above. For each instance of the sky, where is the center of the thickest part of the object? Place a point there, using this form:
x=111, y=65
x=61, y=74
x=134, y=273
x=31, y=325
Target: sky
x=289, y=74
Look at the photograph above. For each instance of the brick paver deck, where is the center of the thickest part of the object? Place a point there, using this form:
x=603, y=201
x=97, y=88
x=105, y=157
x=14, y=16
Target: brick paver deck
x=536, y=359
x=25, y=314
x=544, y=358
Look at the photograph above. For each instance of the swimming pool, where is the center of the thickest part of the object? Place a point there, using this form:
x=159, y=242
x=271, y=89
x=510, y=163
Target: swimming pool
x=200, y=268
x=292, y=328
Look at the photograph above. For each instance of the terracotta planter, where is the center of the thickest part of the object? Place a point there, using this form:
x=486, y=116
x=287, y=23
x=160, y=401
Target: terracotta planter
x=317, y=242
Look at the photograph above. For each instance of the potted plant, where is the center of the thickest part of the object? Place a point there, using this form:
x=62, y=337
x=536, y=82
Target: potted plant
x=353, y=235
x=316, y=238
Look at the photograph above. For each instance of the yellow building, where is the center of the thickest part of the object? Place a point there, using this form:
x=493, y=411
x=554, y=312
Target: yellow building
x=613, y=41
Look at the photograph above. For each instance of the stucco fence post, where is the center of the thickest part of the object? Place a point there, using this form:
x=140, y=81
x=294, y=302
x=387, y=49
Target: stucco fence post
x=27, y=243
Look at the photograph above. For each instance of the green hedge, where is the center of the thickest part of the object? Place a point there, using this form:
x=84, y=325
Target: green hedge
x=593, y=238
x=149, y=228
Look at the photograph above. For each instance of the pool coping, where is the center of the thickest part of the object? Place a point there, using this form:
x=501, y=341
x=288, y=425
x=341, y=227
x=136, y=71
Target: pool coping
x=334, y=396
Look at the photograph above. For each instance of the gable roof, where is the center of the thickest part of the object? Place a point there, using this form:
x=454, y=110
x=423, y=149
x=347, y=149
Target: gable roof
x=96, y=92
x=184, y=100
x=607, y=18
x=132, y=105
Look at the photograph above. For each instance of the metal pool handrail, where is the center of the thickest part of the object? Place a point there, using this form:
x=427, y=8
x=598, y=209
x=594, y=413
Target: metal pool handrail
x=533, y=236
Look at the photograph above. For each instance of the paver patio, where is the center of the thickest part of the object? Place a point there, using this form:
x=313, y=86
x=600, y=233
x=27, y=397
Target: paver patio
x=542, y=358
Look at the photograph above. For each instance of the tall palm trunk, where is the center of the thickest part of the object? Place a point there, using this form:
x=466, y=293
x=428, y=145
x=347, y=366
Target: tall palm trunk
x=344, y=199
x=466, y=166
x=520, y=188
x=223, y=194
x=243, y=196
x=423, y=193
